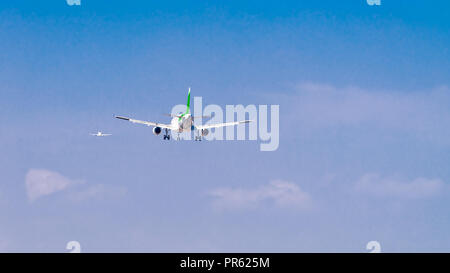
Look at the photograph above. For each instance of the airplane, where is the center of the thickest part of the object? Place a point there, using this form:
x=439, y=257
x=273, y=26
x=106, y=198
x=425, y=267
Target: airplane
x=183, y=122
x=100, y=134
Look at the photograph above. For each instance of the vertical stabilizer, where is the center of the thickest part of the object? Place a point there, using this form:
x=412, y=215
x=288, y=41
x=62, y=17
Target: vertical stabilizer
x=187, y=105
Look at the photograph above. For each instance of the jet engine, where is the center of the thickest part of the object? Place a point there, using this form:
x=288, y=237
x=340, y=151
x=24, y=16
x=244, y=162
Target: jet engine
x=157, y=130
x=205, y=132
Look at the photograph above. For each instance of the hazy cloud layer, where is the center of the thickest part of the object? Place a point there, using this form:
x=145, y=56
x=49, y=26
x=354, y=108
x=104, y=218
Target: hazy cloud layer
x=98, y=191
x=279, y=193
x=374, y=184
x=421, y=114
x=41, y=182
x=3, y=245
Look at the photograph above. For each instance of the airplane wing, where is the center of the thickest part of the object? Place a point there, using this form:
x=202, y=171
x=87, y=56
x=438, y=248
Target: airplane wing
x=106, y=134
x=217, y=125
x=148, y=123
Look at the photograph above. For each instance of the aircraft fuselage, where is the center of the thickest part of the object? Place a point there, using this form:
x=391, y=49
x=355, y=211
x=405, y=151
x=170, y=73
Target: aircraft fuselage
x=183, y=124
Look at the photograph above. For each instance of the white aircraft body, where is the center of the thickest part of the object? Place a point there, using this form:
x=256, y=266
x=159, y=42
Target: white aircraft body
x=100, y=134
x=183, y=122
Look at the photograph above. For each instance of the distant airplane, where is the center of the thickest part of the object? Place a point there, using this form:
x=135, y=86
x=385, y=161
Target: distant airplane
x=100, y=134
x=183, y=122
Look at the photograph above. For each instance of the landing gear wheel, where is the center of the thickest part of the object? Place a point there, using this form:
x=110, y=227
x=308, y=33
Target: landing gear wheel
x=166, y=135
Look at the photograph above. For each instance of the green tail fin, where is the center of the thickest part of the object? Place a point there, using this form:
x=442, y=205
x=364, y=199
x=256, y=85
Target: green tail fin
x=187, y=105
x=189, y=100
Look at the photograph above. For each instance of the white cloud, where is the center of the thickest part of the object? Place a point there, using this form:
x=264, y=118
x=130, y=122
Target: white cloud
x=41, y=182
x=99, y=191
x=280, y=193
x=417, y=188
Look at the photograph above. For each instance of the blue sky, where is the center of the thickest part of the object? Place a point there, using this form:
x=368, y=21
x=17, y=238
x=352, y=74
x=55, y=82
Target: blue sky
x=364, y=142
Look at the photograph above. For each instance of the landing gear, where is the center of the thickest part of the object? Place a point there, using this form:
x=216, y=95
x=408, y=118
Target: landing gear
x=198, y=137
x=166, y=135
